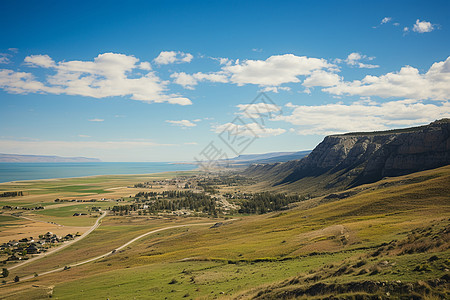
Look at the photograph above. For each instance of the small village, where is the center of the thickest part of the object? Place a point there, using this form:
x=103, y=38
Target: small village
x=22, y=249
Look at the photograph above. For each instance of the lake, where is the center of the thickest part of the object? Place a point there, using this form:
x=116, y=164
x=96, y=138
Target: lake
x=33, y=171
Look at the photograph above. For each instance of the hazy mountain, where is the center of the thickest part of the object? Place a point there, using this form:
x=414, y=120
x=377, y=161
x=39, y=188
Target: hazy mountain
x=43, y=158
x=272, y=157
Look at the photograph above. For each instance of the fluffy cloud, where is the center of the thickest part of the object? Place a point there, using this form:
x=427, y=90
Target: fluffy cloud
x=423, y=26
x=170, y=57
x=43, y=61
x=363, y=116
x=270, y=74
x=182, y=123
x=275, y=70
x=353, y=59
x=109, y=75
x=407, y=83
x=322, y=78
x=188, y=81
x=385, y=20
x=250, y=129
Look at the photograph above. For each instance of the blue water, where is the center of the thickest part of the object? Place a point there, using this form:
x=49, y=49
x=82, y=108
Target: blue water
x=32, y=171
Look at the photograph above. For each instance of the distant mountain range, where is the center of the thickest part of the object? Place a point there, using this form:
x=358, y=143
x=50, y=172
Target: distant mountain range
x=43, y=158
x=348, y=160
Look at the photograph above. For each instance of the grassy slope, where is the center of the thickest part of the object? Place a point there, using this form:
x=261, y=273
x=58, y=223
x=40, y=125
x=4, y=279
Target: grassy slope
x=246, y=256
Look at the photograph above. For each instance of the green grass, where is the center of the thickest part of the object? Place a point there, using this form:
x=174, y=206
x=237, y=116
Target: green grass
x=208, y=279
x=260, y=250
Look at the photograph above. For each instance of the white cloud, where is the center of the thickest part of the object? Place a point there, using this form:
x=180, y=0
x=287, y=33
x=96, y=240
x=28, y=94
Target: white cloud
x=353, y=59
x=423, y=26
x=363, y=116
x=188, y=81
x=96, y=120
x=322, y=78
x=109, y=75
x=386, y=20
x=182, y=123
x=275, y=70
x=250, y=129
x=407, y=83
x=405, y=29
x=170, y=57
x=84, y=136
x=191, y=143
x=275, y=89
x=43, y=61
x=270, y=74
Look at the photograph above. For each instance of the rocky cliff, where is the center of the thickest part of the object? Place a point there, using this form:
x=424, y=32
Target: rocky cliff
x=357, y=158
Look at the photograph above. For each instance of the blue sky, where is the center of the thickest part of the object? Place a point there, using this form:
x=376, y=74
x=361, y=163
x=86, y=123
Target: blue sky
x=160, y=80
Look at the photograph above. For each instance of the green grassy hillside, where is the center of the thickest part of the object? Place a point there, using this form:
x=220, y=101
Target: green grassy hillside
x=391, y=236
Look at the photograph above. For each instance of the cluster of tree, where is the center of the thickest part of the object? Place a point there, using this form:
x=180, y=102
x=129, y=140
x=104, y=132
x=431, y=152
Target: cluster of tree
x=260, y=203
x=169, y=201
x=11, y=194
x=142, y=185
x=205, y=205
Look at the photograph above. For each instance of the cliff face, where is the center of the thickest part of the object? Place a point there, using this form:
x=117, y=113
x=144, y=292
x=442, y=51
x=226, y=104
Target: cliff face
x=367, y=157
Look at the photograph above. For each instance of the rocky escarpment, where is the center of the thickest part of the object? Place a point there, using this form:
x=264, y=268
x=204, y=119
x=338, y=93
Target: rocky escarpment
x=358, y=158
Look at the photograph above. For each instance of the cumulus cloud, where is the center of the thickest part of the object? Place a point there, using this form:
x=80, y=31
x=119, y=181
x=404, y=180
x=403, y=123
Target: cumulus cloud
x=423, y=26
x=353, y=59
x=43, y=61
x=170, y=57
x=407, y=83
x=322, y=78
x=269, y=74
x=108, y=75
x=363, y=116
x=250, y=129
x=188, y=81
x=182, y=123
x=275, y=70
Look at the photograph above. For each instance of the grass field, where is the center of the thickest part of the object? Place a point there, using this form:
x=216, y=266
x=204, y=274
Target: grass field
x=393, y=230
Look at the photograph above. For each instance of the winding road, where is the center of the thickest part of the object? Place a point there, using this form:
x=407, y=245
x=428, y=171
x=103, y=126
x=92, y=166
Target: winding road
x=109, y=252
x=64, y=245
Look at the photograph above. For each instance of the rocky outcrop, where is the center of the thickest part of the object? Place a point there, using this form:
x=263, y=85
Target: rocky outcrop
x=368, y=157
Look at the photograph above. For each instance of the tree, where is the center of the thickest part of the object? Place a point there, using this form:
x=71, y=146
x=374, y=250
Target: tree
x=5, y=272
x=16, y=279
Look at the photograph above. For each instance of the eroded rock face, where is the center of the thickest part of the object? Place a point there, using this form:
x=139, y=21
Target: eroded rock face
x=368, y=157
